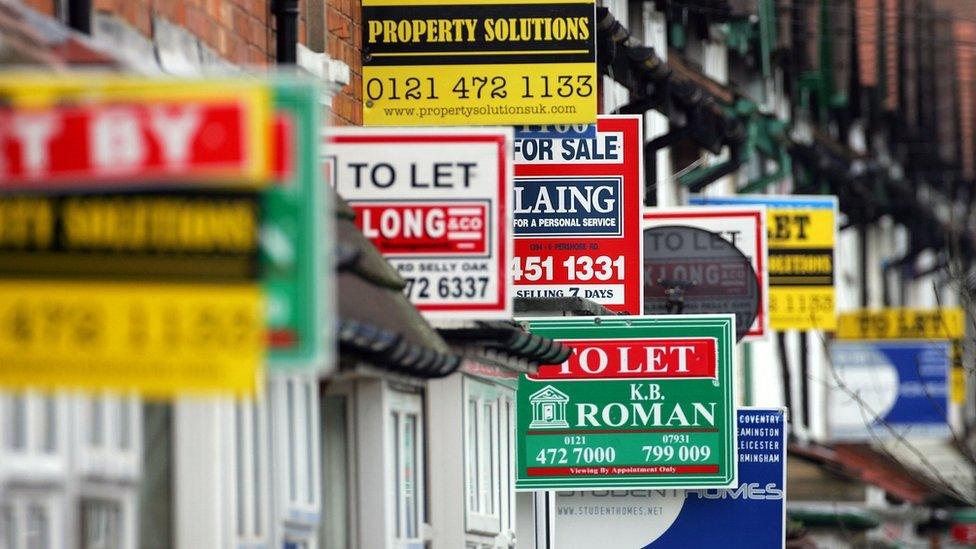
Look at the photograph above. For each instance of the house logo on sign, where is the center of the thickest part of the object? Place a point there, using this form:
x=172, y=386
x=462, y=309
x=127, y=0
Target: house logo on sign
x=548, y=408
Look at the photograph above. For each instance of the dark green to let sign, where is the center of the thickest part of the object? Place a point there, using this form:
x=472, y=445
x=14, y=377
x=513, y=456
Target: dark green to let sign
x=642, y=402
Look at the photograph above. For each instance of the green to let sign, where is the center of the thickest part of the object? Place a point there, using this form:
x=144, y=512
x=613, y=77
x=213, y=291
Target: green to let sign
x=296, y=258
x=642, y=402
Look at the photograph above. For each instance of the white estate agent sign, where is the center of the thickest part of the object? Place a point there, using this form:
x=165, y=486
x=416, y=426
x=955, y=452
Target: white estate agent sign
x=436, y=204
x=742, y=226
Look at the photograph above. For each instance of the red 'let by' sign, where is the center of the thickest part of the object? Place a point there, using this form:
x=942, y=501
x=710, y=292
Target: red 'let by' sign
x=682, y=358
x=82, y=145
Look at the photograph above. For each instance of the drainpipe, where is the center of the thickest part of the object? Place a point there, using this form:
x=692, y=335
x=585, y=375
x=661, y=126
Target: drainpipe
x=80, y=15
x=286, y=37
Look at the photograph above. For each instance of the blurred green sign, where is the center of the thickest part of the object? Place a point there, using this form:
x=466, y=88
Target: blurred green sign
x=296, y=254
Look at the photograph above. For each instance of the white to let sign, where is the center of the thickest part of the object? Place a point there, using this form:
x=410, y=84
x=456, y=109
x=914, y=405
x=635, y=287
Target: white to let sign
x=435, y=203
x=744, y=227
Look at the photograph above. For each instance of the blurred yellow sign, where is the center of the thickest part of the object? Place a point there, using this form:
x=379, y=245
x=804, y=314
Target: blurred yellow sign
x=902, y=323
x=154, y=338
x=801, y=266
x=947, y=323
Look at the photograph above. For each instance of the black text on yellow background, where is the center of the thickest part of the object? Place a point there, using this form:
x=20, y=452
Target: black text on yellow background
x=478, y=63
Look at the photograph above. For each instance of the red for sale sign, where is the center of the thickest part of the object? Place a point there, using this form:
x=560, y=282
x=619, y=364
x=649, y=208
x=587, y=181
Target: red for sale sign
x=435, y=203
x=577, y=212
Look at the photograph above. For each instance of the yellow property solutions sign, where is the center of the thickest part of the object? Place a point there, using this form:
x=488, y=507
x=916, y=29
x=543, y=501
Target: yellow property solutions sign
x=478, y=62
x=948, y=323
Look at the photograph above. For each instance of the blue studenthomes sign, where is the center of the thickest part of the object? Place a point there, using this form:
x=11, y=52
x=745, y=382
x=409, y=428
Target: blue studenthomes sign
x=750, y=516
x=903, y=384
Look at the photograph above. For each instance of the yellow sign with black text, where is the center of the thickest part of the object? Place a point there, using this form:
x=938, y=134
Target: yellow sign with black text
x=154, y=338
x=801, y=268
x=476, y=62
x=902, y=323
x=947, y=323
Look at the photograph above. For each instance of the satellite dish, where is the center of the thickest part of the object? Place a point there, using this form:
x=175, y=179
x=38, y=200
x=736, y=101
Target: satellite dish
x=693, y=271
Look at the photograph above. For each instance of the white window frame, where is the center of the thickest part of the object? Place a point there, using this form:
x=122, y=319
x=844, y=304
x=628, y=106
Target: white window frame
x=296, y=457
x=127, y=499
x=33, y=462
x=481, y=463
x=20, y=501
x=401, y=404
x=108, y=459
x=347, y=473
x=506, y=411
x=118, y=526
x=500, y=521
x=256, y=497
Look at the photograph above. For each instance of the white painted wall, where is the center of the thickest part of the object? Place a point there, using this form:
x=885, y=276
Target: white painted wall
x=656, y=125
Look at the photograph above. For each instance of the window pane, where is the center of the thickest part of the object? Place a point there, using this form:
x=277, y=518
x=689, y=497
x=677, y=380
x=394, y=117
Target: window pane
x=8, y=533
x=310, y=389
x=487, y=445
x=50, y=425
x=257, y=465
x=335, y=466
x=397, y=483
x=101, y=524
x=17, y=426
x=96, y=435
x=125, y=423
x=290, y=455
x=410, y=474
x=240, y=473
x=491, y=459
x=155, y=506
x=508, y=431
x=37, y=525
x=472, y=462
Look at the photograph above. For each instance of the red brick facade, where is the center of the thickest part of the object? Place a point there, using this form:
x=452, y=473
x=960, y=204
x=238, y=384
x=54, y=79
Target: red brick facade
x=344, y=42
x=242, y=32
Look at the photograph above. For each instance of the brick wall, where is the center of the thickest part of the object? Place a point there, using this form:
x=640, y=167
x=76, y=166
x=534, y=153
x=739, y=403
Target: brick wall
x=964, y=32
x=238, y=30
x=344, y=43
x=43, y=6
x=242, y=32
